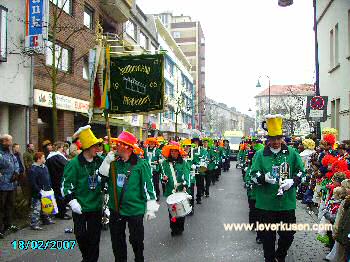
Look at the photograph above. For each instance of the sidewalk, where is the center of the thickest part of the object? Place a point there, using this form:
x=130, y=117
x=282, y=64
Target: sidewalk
x=305, y=246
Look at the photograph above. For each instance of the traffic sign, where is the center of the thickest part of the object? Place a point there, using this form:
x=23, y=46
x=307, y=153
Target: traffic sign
x=316, y=108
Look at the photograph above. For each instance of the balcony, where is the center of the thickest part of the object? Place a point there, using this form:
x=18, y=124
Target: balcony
x=119, y=10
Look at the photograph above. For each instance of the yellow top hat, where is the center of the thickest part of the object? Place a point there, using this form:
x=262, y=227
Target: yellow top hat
x=86, y=137
x=186, y=142
x=274, y=125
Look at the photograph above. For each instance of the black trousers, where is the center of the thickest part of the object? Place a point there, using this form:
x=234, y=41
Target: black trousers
x=217, y=173
x=192, y=194
x=117, y=226
x=207, y=180
x=200, y=186
x=7, y=203
x=254, y=215
x=87, y=230
x=269, y=237
x=61, y=203
x=156, y=180
x=226, y=165
x=178, y=226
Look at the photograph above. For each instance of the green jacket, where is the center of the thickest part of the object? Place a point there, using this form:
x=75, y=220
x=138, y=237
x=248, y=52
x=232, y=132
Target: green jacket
x=182, y=173
x=200, y=153
x=215, y=158
x=266, y=194
x=152, y=155
x=77, y=174
x=190, y=162
x=139, y=187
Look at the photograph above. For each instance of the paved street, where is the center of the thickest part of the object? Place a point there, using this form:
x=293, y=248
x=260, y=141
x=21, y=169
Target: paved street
x=204, y=238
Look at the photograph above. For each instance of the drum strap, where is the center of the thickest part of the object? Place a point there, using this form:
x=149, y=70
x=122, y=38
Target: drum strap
x=172, y=170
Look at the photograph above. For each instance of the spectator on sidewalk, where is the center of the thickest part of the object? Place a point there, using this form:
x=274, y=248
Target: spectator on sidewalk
x=28, y=156
x=40, y=180
x=56, y=161
x=47, y=147
x=16, y=152
x=9, y=171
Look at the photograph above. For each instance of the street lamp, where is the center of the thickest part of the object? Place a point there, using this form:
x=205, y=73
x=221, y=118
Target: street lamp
x=259, y=85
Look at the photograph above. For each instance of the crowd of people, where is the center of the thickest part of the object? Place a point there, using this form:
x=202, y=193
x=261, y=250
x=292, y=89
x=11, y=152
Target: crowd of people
x=280, y=170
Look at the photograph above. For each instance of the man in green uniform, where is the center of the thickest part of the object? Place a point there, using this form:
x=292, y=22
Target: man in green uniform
x=187, y=145
x=227, y=152
x=153, y=154
x=276, y=168
x=201, y=160
x=131, y=178
x=81, y=188
x=176, y=174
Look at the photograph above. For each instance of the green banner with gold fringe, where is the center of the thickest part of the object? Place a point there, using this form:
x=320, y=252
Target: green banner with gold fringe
x=137, y=84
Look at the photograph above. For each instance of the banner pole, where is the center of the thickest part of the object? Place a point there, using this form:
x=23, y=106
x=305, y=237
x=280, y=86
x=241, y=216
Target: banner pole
x=114, y=182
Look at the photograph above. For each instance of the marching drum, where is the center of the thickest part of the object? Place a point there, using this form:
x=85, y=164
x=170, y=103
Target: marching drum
x=178, y=204
x=203, y=166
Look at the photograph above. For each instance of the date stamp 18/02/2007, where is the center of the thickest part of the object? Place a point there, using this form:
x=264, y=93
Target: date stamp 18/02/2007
x=43, y=244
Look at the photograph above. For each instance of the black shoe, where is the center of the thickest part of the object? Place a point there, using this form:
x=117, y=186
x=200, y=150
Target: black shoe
x=12, y=228
x=199, y=202
x=213, y=183
x=2, y=235
x=175, y=233
x=207, y=195
x=191, y=213
x=48, y=222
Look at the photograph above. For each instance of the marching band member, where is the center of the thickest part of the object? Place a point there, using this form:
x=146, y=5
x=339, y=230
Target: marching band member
x=227, y=153
x=135, y=196
x=81, y=188
x=276, y=167
x=176, y=174
x=201, y=158
x=153, y=154
x=187, y=145
x=214, y=162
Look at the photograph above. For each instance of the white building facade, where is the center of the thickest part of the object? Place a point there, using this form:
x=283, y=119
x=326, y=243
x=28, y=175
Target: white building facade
x=179, y=88
x=333, y=18
x=15, y=73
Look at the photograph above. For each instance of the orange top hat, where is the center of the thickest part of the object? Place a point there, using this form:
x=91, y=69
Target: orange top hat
x=172, y=146
x=150, y=140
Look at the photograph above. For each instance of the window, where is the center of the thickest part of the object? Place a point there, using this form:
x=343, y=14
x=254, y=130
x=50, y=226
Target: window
x=331, y=49
x=169, y=66
x=143, y=41
x=169, y=89
x=67, y=5
x=176, y=34
x=130, y=29
x=88, y=17
x=86, y=75
x=3, y=34
x=62, y=56
x=333, y=114
x=336, y=45
x=337, y=114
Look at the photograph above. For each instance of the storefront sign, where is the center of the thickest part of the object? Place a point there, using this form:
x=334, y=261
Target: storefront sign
x=137, y=84
x=44, y=98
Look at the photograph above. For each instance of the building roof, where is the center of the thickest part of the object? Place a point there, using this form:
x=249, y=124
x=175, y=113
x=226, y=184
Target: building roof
x=285, y=90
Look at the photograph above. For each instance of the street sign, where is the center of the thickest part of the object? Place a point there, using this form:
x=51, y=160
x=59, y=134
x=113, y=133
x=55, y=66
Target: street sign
x=316, y=108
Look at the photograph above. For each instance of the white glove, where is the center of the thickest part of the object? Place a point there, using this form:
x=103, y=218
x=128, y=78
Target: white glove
x=287, y=184
x=189, y=197
x=106, y=164
x=193, y=166
x=299, y=174
x=76, y=208
x=245, y=169
x=223, y=161
x=150, y=215
x=152, y=207
x=269, y=179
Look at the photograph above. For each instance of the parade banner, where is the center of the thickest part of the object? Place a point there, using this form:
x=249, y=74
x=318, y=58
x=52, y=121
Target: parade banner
x=137, y=84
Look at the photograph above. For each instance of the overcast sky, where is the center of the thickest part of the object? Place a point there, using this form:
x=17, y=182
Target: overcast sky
x=248, y=38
